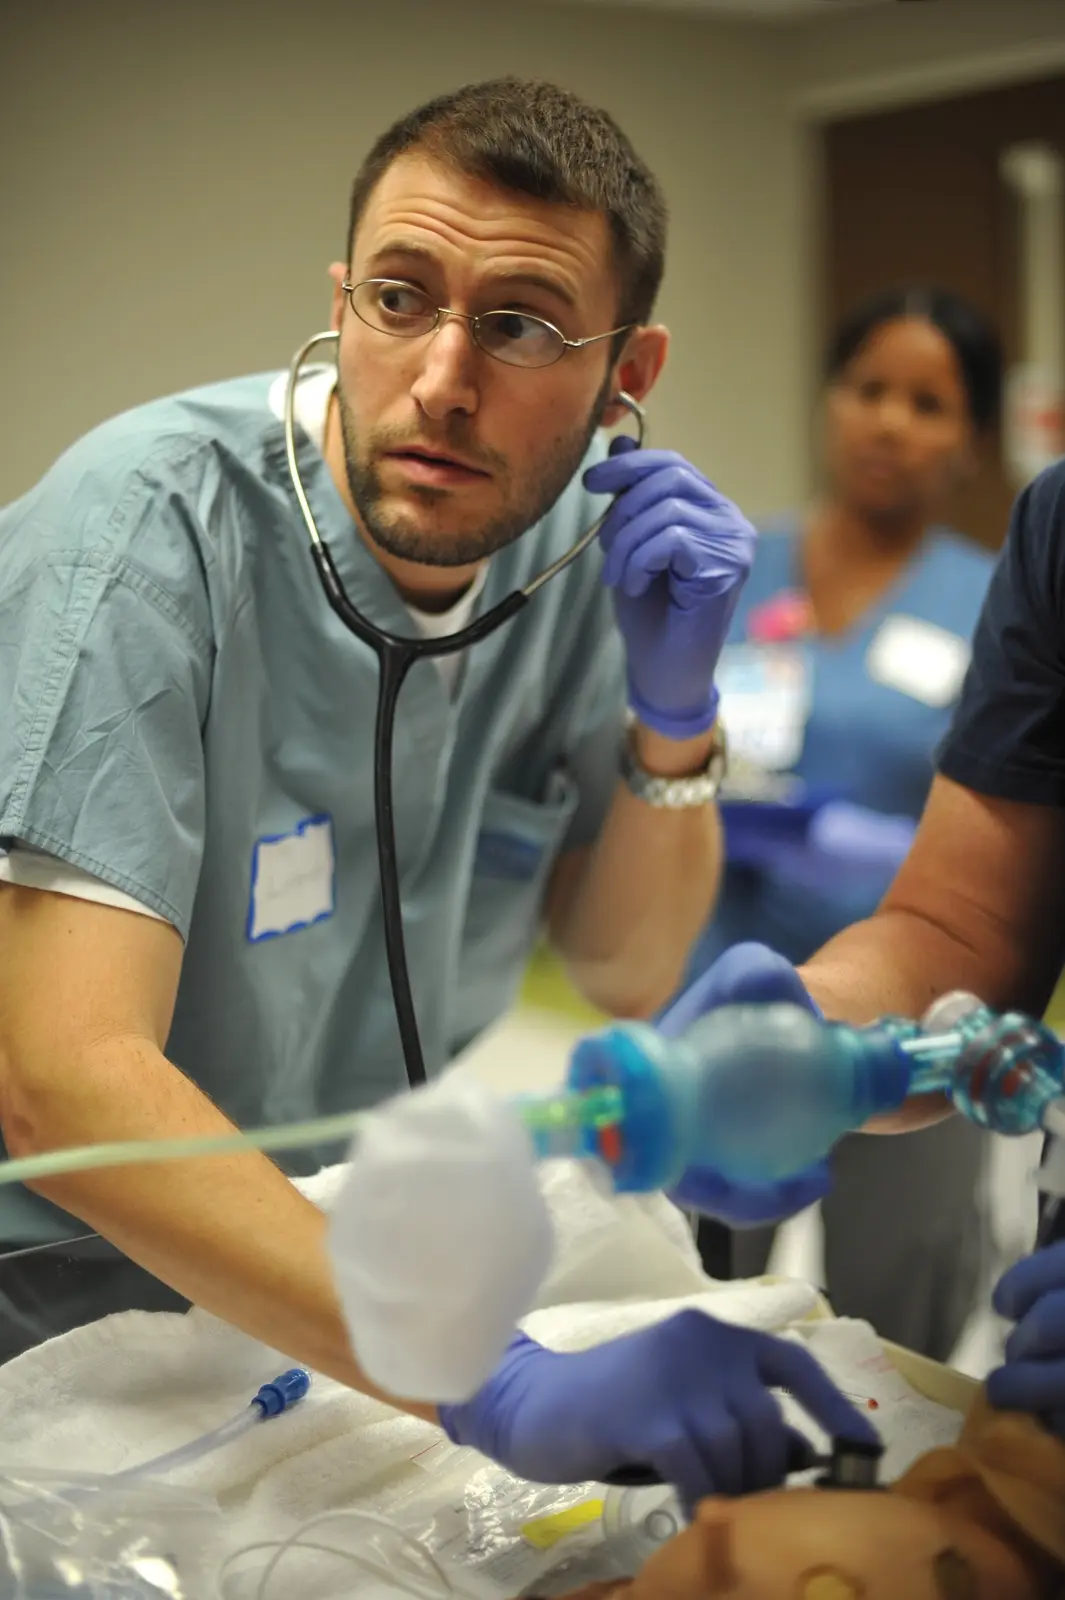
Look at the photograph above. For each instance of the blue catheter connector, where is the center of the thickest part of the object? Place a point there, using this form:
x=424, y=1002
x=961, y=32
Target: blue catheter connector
x=272, y=1399
x=287, y=1390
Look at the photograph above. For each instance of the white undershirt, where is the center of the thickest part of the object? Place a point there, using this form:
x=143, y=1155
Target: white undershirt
x=34, y=869
x=311, y=410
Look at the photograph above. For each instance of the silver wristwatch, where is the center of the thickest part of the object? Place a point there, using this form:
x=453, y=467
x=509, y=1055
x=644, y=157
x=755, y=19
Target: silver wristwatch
x=676, y=794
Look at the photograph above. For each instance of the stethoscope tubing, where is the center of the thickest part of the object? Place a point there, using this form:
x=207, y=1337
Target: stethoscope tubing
x=396, y=654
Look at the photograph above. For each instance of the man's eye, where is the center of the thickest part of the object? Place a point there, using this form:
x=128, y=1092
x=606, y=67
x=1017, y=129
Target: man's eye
x=516, y=325
x=400, y=301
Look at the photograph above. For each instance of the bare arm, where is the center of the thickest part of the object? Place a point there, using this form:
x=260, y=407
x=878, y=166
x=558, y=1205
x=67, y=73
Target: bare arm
x=86, y=998
x=978, y=904
x=624, y=914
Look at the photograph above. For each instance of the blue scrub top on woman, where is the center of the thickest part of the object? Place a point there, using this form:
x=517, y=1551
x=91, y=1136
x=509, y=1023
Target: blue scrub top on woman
x=855, y=716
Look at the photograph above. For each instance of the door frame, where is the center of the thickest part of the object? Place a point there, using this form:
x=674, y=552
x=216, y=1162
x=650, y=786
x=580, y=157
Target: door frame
x=937, y=80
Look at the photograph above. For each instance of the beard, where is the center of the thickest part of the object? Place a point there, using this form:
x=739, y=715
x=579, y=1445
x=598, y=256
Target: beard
x=427, y=539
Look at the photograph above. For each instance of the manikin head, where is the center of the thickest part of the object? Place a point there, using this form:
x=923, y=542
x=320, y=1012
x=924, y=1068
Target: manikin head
x=816, y=1544
x=981, y=1520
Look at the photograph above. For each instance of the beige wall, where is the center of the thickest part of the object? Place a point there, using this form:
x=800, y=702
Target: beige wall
x=178, y=177
x=173, y=183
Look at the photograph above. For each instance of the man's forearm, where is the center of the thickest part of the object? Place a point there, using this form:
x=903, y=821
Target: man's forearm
x=646, y=890
x=899, y=963
x=230, y=1233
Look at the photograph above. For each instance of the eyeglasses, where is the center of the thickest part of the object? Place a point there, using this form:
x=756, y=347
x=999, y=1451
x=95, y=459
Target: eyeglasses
x=397, y=308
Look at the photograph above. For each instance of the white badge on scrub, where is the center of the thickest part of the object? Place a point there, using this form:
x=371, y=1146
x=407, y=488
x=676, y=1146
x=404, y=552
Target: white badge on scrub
x=765, y=702
x=293, y=879
x=918, y=659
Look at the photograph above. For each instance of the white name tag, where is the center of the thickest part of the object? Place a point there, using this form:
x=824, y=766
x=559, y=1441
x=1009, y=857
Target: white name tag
x=918, y=659
x=293, y=880
x=765, y=694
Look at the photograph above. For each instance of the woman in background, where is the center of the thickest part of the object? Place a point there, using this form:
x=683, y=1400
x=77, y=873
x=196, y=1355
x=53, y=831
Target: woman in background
x=846, y=654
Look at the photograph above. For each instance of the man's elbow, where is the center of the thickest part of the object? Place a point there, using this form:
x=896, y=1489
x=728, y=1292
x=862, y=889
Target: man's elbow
x=45, y=1085
x=20, y=1113
x=35, y=1121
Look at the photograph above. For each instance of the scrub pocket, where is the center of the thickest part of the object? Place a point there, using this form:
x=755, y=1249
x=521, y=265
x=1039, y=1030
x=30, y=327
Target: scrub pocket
x=516, y=848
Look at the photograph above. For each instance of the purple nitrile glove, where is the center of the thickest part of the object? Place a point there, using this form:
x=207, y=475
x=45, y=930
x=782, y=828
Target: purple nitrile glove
x=818, y=844
x=677, y=554
x=847, y=846
x=688, y=1397
x=748, y=974
x=1032, y=1294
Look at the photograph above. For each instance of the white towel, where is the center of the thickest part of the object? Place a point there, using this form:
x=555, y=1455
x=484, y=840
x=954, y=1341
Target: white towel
x=854, y=1357
x=613, y=1247
x=119, y=1391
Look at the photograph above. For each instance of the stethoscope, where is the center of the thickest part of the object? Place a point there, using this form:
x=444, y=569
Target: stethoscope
x=395, y=657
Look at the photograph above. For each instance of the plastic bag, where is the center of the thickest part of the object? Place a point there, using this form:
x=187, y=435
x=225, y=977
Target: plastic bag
x=75, y=1536
x=341, y=1555
x=497, y=1536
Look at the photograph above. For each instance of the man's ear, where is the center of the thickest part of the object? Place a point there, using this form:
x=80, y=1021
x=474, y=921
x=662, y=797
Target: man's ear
x=637, y=368
x=338, y=271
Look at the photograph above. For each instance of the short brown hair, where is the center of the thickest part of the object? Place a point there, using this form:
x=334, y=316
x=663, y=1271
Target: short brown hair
x=536, y=139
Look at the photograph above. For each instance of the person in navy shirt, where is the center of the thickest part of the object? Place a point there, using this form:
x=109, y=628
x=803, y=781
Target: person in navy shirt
x=978, y=904
x=847, y=653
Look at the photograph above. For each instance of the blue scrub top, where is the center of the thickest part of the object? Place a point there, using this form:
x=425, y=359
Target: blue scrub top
x=183, y=717
x=864, y=742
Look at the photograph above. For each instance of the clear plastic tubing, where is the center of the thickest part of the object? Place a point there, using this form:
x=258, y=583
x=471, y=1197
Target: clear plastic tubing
x=271, y=1400
x=193, y=1451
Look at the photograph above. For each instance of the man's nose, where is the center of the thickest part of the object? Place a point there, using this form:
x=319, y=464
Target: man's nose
x=449, y=372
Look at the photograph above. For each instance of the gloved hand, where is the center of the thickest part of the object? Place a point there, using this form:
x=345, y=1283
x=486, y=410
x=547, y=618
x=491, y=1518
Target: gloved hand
x=677, y=555
x=688, y=1397
x=823, y=845
x=848, y=848
x=1032, y=1294
x=746, y=974
x=861, y=836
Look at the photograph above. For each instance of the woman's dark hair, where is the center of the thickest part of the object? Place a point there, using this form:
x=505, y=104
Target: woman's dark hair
x=536, y=139
x=969, y=334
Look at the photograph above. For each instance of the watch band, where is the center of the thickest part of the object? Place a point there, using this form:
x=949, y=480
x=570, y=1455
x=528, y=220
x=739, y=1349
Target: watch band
x=676, y=794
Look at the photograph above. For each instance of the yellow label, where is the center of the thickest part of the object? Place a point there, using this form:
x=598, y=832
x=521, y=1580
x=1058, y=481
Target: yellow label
x=543, y=1533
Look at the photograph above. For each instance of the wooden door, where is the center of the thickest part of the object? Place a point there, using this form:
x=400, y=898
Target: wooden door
x=916, y=195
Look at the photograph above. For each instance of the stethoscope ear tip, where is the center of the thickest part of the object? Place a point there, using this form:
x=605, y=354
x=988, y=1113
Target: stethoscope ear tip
x=631, y=404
